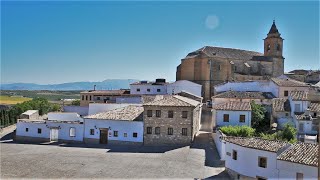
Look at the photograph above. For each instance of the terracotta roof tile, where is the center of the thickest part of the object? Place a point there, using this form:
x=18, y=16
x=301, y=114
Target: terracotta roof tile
x=281, y=105
x=315, y=107
x=299, y=95
x=233, y=105
x=128, y=113
x=257, y=143
x=175, y=100
x=302, y=153
x=287, y=82
x=245, y=95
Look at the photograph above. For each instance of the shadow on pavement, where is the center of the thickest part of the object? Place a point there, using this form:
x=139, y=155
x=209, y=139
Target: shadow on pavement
x=204, y=141
x=7, y=137
x=223, y=175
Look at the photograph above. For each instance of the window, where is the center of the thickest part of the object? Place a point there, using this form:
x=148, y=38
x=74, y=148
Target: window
x=90, y=98
x=262, y=162
x=72, y=132
x=125, y=135
x=148, y=90
x=158, y=113
x=138, y=90
x=157, y=130
x=278, y=47
x=149, y=130
x=184, y=114
x=314, y=114
x=27, y=129
x=286, y=93
x=242, y=118
x=234, y=155
x=299, y=176
x=226, y=118
x=170, y=131
x=149, y=113
x=98, y=98
x=82, y=97
x=268, y=47
x=297, y=108
x=158, y=90
x=184, y=131
x=301, y=126
x=261, y=178
x=228, y=153
x=235, y=68
x=115, y=133
x=287, y=114
x=39, y=131
x=86, y=98
x=135, y=134
x=170, y=114
x=91, y=131
x=219, y=67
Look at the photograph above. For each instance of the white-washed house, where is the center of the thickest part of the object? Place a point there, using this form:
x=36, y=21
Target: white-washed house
x=118, y=126
x=281, y=112
x=299, y=161
x=252, y=158
x=184, y=85
x=232, y=113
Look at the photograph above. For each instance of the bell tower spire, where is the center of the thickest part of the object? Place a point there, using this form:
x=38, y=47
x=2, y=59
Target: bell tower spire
x=273, y=43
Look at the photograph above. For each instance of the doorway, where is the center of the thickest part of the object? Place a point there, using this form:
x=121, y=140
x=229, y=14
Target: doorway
x=103, y=136
x=54, y=132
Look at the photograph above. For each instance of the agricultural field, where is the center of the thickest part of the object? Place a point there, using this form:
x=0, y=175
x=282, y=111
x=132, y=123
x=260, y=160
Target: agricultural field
x=10, y=100
x=52, y=96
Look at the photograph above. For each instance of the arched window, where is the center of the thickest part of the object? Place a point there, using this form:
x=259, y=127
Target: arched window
x=278, y=47
x=268, y=47
x=72, y=132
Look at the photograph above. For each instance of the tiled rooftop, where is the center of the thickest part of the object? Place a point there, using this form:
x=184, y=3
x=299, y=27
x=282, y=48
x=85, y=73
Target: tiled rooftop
x=302, y=153
x=287, y=82
x=304, y=117
x=150, y=98
x=299, y=95
x=128, y=113
x=225, y=53
x=257, y=143
x=174, y=100
x=233, y=105
x=245, y=95
x=281, y=105
x=107, y=92
x=315, y=107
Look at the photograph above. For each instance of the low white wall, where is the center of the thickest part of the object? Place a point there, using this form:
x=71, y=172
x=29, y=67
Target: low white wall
x=95, y=108
x=64, y=131
x=289, y=170
x=144, y=89
x=81, y=110
x=184, y=85
x=122, y=127
x=220, y=144
x=32, y=129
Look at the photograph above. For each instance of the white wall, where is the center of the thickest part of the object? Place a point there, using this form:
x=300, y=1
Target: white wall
x=64, y=130
x=95, y=108
x=143, y=89
x=262, y=86
x=234, y=117
x=81, y=110
x=129, y=100
x=122, y=127
x=247, y=162
x=64, y=116
x=289, y=170
x=220, y=144
x=184, y=85
x=33, y=129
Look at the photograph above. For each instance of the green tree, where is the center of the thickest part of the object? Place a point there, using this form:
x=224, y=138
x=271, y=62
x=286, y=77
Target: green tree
x=76, y=102
x=238, y=131
x=259, y=120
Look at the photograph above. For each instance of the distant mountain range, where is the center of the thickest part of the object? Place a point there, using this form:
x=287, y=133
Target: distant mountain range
x=108, y=84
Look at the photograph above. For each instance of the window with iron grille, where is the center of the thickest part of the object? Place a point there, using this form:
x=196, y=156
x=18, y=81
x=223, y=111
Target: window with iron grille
x=170, y=131
x=135, y=134
x=39, y=131
x=91, y=131
x=115, y=133
x=149, y=113
x=184, y=131
x=149, y=130
x=242, y=118
x=158, y=113
x=226, y=118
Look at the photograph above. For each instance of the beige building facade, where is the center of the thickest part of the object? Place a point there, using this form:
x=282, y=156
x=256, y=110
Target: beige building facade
x=173, y=120
x=210, y=66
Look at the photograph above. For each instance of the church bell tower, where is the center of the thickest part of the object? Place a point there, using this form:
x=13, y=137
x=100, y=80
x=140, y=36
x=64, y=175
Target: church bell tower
x=273, y=43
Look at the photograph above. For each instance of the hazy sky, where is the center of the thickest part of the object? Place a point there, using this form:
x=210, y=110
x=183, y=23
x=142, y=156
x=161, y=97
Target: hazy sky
x=54, y=42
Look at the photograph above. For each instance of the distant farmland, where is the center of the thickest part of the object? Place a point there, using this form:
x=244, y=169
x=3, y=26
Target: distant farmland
x=9, y=100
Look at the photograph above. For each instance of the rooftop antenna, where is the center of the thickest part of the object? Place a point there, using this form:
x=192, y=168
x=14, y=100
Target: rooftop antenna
x=94, y=87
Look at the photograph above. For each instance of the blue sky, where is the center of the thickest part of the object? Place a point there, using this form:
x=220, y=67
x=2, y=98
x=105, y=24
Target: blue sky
x=55, y=42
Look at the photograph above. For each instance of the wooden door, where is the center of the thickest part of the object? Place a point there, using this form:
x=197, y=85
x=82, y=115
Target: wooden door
x=103, y=136
x=54, y=132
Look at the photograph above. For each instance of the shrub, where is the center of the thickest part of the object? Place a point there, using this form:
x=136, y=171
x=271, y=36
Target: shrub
x=238, y=131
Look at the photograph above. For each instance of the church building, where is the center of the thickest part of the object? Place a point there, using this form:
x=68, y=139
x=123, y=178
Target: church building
x=209, y=66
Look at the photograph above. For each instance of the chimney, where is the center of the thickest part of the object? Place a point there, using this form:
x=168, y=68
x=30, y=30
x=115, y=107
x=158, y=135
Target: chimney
x=94, y=87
